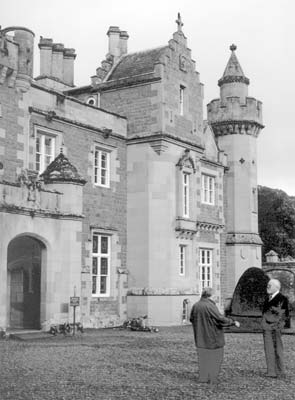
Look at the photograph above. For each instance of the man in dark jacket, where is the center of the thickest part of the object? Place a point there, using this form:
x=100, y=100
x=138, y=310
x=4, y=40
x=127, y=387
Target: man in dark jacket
x=274, y=315
x=208, y=325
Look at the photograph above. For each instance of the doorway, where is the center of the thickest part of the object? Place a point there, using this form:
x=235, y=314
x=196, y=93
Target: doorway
x=24, y=282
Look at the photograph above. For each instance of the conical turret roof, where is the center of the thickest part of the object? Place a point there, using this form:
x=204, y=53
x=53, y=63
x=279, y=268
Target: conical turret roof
x=233, y=71
x=62, y=170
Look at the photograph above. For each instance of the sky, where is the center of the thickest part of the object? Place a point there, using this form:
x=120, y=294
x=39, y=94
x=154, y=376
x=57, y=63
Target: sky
x=263, y=31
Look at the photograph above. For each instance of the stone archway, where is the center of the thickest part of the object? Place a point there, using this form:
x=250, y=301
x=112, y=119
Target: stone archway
x=24, y=257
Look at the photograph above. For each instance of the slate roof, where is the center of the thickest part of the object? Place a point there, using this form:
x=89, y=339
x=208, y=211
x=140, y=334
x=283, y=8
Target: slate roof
x=61, y=170
x=233, y=71
x=139, y=63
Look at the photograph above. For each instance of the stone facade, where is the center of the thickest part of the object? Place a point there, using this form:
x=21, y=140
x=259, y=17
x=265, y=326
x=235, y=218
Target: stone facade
x=147, y=188
x=62, y=213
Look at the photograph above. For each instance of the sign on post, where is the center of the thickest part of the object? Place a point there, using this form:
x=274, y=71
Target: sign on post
x=74, y=301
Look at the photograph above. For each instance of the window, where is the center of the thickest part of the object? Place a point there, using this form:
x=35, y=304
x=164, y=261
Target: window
x=45, y=150
x=101, y=167
x=208, y=189
x=181, y=99
x=185, y=314
x=206, y=268
x=100, y=265
x=91, y=101
x=182, y=259
x=185, y=194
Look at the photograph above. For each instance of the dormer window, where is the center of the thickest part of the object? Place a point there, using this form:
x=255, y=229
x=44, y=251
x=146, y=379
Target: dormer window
x=91, y=101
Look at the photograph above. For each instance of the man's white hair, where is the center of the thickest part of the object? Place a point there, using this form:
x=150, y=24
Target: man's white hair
x=276, y=283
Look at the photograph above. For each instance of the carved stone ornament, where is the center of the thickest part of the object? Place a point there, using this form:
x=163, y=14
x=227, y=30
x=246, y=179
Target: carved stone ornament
x=30, y=179
x=186, y=161
x=183, y=63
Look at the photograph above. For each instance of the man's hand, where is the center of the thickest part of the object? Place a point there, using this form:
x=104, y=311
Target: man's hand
x=237, y=324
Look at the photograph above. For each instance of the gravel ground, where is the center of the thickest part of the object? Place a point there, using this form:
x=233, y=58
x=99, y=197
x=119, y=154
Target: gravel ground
x=118, y=364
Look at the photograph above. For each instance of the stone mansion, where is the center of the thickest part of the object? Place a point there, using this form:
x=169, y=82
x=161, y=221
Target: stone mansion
x=119, y=191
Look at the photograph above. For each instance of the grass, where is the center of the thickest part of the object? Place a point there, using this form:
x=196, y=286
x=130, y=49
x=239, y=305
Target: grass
x=119, y=364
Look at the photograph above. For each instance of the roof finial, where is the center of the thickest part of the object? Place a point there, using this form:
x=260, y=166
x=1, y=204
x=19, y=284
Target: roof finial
x=233, y=47
x=179, y=23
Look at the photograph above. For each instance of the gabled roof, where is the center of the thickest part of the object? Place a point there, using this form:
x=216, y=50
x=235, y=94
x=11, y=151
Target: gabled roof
x=61, y=170
x=139, y=63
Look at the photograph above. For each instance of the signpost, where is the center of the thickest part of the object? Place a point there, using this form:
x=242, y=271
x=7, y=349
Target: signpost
x=74, y=302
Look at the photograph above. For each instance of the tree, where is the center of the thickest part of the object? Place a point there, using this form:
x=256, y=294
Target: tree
x=276, y=221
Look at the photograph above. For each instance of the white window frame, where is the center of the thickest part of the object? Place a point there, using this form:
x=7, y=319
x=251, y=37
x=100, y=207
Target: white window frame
x=101, y=173
x=208, y=189
x=182, y=259
x=181, y=99
x=100, y=259
x=44, y=134
x=206, y=267
x=185, y=194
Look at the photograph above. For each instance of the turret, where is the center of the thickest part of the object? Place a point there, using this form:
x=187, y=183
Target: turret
x=236, y=120
x=234, y=112
x=21, y=61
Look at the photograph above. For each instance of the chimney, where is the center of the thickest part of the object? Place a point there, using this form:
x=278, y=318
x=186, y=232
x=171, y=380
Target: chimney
x=68, y=66
x=57, y=61
x=114, y=42
x=124, y=42
x=45, y=46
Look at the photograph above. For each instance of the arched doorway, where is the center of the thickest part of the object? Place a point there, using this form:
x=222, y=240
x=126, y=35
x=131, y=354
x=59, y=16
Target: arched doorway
x=24, y=282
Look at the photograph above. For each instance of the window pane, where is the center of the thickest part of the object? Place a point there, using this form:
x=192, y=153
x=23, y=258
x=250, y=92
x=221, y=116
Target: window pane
x=103, y=266
x=48, y=145
x=96, y=158
x=94, y=265
x=103, y=284
x=47, y=161
x=38, y=144
x=103, y=160
x=104, y=244
x=95, y=244
x=94, y=284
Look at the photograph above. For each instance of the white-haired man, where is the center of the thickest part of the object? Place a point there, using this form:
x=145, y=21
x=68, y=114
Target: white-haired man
x=208, y=325
x=274, y=315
